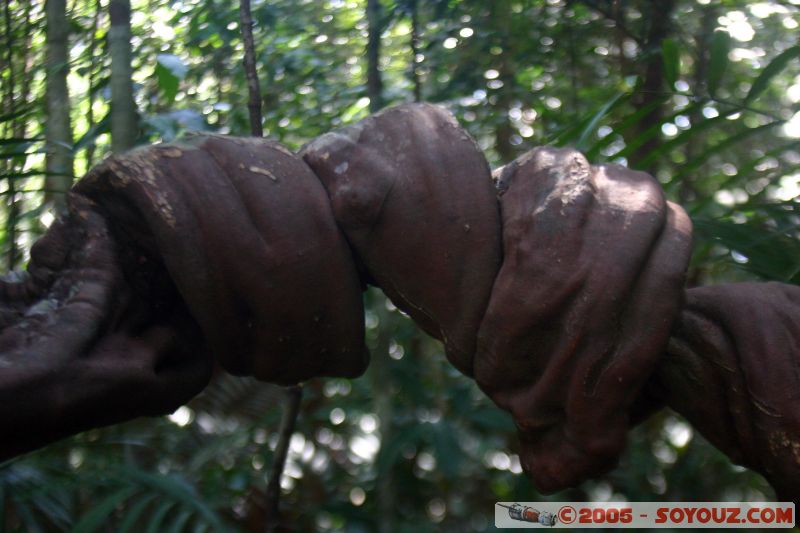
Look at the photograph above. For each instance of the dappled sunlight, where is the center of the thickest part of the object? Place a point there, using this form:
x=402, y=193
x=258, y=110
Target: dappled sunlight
x=792, y=126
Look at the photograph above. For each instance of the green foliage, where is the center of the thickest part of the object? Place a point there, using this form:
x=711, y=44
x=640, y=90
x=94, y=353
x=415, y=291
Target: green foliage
x=170, y=70
x=718, y=60
x=672, y=60
x=775, y=67
x=412, y=445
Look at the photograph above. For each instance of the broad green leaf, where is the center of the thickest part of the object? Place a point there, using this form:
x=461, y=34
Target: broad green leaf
x=770, y=71
x=671, y=56
x=174, y=64
x=170, y=70
x=718, y=60
x=167, y=82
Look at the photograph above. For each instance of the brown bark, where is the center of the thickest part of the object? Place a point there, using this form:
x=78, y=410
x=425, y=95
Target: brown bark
x=732, y=369
x=572, y=331
x=400, y=164
x=572, y=326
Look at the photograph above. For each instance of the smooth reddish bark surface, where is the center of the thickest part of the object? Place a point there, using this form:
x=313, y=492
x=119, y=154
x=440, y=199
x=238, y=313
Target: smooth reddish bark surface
x=413, y=194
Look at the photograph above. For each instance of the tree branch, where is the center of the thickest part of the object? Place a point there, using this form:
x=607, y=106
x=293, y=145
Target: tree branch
x=293, y=394
x=288, y=422
x=253, y=88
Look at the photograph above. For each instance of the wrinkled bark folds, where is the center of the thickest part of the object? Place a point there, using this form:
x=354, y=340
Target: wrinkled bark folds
x=561, y=293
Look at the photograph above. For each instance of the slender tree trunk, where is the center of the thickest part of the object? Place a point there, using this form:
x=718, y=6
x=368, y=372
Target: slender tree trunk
x=13, y=210
x=219, y=68
x=374, y=81
x=254, y=102
x=499, y=21
x=415, y=42
x=291, y=412
x=380, y=379
x=92, y=80
x=618, y=16
x=17, y=45
x=124, y=122
x=575, y=103
x=659, y=27
x=58, y=130
x=702, y=40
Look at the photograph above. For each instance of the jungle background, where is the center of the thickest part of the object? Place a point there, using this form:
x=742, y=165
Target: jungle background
x=704, y=95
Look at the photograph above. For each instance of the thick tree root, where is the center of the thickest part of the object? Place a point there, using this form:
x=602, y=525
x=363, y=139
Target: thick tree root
x=560, y=291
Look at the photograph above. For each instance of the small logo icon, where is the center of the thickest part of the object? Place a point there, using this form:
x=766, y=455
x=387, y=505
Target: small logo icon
x=567, y=514
x=528, y=514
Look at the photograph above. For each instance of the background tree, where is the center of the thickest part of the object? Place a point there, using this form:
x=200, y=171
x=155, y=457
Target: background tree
x=704, y=94
x=374, y=79
x=58, y=127
x=124, y=126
